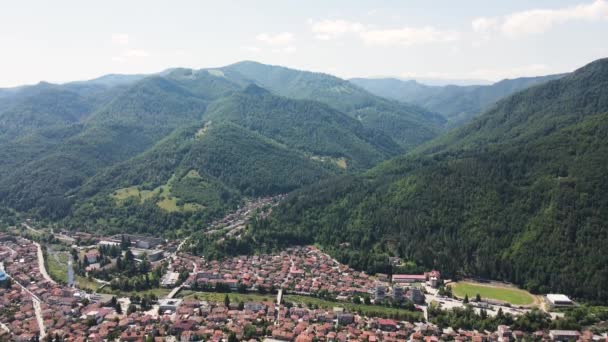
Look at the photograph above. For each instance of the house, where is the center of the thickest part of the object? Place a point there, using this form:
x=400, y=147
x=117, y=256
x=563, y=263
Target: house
x=345, y=318
x=408, y=278
x=253, y=306
x=415, y=296
x=387, y=324
x=169, y=305
x=398, y=293
x=564, y=335
x=380, y=292
x=92, y=256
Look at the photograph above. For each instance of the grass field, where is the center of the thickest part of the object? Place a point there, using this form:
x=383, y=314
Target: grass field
x=167, y=202
x=158, y=292
x=369, y=310
x=506, y=294
x=57, y=266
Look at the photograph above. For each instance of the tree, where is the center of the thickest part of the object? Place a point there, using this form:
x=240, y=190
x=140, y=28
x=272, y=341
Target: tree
x=118, y=308
x=226, y=301
x=132, y=308
x=478, y=298
x=466, y=299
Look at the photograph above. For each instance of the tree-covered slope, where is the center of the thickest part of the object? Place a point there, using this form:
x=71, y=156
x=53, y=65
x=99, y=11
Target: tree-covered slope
x=519, y=194
x=407, y=124
x=129, y=124
x=250, y=143
x=459, y=104
x=205, y=169
x=178, y=147
x=307, y=126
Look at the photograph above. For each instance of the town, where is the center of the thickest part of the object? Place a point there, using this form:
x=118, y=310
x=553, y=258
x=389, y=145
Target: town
x=259, y=297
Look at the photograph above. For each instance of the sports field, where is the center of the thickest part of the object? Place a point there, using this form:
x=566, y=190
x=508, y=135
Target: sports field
x=506, y=294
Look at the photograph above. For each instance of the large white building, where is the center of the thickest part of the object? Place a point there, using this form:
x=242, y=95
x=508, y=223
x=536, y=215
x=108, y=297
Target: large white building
x=556, y=300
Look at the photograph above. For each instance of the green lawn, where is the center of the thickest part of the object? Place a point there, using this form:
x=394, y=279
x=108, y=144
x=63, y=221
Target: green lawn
x=57, y=266
x=510, y=295
x=158, y=292
x=58, y=269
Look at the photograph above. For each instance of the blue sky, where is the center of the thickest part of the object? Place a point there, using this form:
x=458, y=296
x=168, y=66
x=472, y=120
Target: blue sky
x=64, y=40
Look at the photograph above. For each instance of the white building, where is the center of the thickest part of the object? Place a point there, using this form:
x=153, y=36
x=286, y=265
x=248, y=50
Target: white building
x=558, y=300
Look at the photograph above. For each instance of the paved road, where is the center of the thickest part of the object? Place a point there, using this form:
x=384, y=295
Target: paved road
x=36, y=304
x=39, y=318
x=45, y=275
x=174, y=292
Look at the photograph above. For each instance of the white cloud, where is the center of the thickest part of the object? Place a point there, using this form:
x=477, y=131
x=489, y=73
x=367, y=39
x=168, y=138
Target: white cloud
x=136, y=53
x=287, y=50
x=120, y=39
x=408, y=36
x=484, y=25
x=332, y=29
x=130, y=54
x=275, y=39
x=253, y=49
x=538, y=21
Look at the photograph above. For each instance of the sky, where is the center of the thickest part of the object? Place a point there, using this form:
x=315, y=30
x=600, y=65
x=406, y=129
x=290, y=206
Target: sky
x=66, y=40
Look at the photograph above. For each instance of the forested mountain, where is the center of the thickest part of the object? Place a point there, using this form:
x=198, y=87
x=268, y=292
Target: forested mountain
x=458, y=104
x=170, y=150
x=407, y=124
x=250, y=143
x=519, y=194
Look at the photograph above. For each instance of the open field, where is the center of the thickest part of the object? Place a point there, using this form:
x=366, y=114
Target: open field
x=57, y=266
x=511, y=295
x=158, y=292
x=370, y=310
x=166, y=201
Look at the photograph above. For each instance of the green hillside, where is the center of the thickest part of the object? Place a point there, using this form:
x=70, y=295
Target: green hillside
x=127, y=125
x=250, y=143
x=409, y=125
x=458, y=104
x=114, y=152
x=518, y=194
x=304, y=125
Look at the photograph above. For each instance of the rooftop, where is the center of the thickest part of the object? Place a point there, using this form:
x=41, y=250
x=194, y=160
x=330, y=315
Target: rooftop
x=558, y=298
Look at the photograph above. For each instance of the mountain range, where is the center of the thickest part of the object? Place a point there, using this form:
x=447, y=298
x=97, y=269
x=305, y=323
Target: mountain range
x=458, y=104
x=505, y=181
x=518, y=194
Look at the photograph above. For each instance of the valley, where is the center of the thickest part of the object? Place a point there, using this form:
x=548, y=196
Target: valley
x=251, y=199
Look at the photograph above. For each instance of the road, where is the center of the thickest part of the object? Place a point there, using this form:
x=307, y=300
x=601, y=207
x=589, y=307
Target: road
x=179, y=247
x=36, y=304
x=41, y=266
x=39, y=318
x=174, y=292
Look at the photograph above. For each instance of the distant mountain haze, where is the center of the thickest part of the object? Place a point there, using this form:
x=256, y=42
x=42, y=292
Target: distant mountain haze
x=458, y=104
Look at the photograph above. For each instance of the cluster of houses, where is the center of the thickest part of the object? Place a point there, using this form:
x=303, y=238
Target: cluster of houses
x=33, y=306
x=301, y=270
